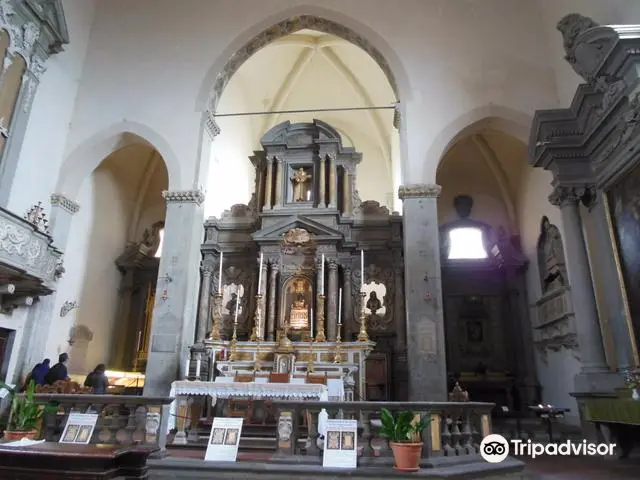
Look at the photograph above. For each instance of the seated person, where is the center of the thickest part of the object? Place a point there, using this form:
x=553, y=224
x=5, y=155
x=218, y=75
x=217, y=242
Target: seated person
x=58, y=371
x=97, y=380
x=39, y=372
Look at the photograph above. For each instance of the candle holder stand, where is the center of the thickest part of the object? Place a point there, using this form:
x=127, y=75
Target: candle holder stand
x=320, y=336
x=310, y=363
x=363, y=336
x=258, y=365
x=233, y=355
x=337, y=356
x=256, y=333
x=217, y=318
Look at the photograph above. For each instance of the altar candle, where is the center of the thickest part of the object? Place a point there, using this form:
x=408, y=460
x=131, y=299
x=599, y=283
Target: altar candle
x=198, y=366
x=237, y=307
x=139, y=340
x=340, y=307
x=322, y=277
x=186, y=367
x=361, y=270
x=220, y=274
x=311, y=325
x=260, y=275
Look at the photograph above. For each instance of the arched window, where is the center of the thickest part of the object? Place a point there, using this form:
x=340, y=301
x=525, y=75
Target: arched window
x=160, y=244
x=466, y=243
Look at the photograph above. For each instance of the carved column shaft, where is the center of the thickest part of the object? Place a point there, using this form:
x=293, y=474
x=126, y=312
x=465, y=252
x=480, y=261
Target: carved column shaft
x=322, y=200
x=333, y=190
x=332, y=301
x=279, y=200
x=269, y=183
x=263, y=292
x=347, y=307
x=205, y=297
x=584, y=303
x=346, y=192
x=271, y=315
x=400, y=320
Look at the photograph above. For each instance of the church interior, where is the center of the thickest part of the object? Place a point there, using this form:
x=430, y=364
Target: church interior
x=398, y=203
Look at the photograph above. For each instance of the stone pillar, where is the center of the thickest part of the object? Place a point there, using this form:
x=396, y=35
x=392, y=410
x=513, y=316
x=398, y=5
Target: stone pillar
x=122, y=345
x=332, y=300
x=347, y=304
x=269, y=183
x=322, y=200
x=401, y=321
x=279, y=200
x=346, y=191
x=263, y=292
x=62, y=211
x=584, y=301
x=333, y=184
x=206, y=270
x=173, y=322
x=615, y=306
x=423, y=293
x=273, y=289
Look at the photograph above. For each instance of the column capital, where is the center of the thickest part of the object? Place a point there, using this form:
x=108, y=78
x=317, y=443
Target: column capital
x=183, y=196
x=58, y=199
x=332, y=263
x=566, y=195
x=419, y=190
x=208, y=264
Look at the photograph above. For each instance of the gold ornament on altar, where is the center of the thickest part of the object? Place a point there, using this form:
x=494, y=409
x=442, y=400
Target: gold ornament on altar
x=256, y=333
x=299, y=315
x=297, y=236
x=284, y=344
x=363, y=336
x=216, y=318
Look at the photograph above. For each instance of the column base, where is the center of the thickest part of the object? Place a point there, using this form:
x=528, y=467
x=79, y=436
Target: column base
x=587, y=382
x=266, y=207
x=332, y=205
x=322, y=205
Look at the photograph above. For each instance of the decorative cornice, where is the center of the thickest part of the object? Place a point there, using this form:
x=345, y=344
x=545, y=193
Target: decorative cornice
x=183, y=196
x=211, y=125
x=564, y=196
x=419, y=190
x=59, y=200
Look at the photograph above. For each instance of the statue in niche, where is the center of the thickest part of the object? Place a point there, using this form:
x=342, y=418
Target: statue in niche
x=299, y=315
x=300, y=180
x=373, y=304
x=231, y=293
x=375, y=295
x=151, y=239
x=551, y=263
x=231, y=304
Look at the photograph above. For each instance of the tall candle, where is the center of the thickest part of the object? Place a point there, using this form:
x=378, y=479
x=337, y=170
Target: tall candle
x=186, y=366
x=361, y=270
x=322, y=277
x=340, y=307
x=139, y=339
x=260, y=274
x=220, y=274
x=311, y=325
x=198, y=367
x=237, y=307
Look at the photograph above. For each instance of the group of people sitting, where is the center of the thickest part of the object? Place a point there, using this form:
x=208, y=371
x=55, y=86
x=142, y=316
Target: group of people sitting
x=43, y=374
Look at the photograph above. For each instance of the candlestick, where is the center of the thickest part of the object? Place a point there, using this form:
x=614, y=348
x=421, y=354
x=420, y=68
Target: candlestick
x=198, y=366
x=234, y=344
x=256, y=333
x=186, y=367
x=320, y=336
x=339, y=306
x=337, y=356
x=258, y=365
x=311, y=325
x=139, y=339
x=361, y=270
x=220, y=274
x=217, y=318
x=260, y=273
x=322, y=277
x=310, y=366
x=363, y=336
x=235, y=321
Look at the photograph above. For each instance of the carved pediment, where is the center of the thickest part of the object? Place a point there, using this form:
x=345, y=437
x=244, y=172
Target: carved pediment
x=51, y=16
x=299, y=230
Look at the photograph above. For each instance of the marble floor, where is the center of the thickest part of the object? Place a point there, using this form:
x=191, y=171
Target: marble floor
x=582, y=468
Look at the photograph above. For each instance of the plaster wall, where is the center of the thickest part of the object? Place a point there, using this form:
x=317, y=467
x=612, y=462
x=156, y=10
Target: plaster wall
x=51, y=115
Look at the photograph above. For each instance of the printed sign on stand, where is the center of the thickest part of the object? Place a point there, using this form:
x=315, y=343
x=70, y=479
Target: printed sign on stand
x=224, y=439
x=341, y=444
x=79, y=428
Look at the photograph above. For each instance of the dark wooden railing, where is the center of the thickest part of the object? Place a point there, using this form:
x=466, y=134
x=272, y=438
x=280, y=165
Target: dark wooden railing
x=122, y=419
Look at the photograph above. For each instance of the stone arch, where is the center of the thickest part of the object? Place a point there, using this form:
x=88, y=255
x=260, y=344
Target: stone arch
x=288, y=22
x=85, y=158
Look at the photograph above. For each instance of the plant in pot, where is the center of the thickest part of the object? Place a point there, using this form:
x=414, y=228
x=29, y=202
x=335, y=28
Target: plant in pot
x=25, y=413
x=402, y=432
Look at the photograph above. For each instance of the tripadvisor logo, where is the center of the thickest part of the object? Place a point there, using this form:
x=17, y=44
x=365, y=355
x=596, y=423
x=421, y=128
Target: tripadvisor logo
x=494, y=448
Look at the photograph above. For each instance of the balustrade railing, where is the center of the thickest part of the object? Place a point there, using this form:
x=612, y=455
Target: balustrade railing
x=453, y=433
x=122, y=419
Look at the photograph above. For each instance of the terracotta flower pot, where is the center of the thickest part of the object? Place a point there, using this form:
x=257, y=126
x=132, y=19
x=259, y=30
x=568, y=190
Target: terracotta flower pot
x=407, y=456
x=13, y=436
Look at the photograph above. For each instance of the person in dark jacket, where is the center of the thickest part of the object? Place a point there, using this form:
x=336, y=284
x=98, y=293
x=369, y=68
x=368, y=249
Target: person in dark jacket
x=58, y=371
x=40, y=371
x=97, y=380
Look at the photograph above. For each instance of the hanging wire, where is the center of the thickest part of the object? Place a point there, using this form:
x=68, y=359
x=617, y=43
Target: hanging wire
x=314, y=110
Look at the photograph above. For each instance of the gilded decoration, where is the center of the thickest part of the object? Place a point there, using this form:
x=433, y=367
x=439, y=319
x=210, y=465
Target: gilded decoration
x=419, y=190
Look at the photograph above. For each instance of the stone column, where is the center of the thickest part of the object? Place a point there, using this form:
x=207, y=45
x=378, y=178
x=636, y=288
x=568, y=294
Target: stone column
x=279, y=200
x=423, y=293
x=322, y=200
x=173, y=322
x=615, y=305
x=584, y=301
x=263, y=291
x=333, y=184
x=269, y=183
x=347, y=304
x=273, y=289
x=346, y=191
x=400, y=320
x=332, y=300
x=206, y=270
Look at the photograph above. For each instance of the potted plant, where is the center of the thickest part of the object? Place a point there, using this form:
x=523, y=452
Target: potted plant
x=25, y=413
x=402, y=432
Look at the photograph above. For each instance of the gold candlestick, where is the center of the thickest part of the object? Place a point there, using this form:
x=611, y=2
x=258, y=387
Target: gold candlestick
x=258, y=365
x=363, y=336
x=233, y=356
x=337, y=356
x=256, y=333
x=320, y=336
x=217, y=318
x=310, y=367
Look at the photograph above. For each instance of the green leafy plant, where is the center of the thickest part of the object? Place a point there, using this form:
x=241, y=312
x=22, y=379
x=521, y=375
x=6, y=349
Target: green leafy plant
x=401, y=429
x=25, y=412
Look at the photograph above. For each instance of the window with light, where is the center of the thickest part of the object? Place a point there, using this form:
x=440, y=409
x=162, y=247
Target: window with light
x=466, y=244
x=159, y=250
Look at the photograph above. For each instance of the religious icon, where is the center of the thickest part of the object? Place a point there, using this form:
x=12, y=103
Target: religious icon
x=217, y=437
x=231, y=438
x=300, y=180
x=374, y=304
x=299, y=315
x=333, y=440
x=71, y=433
x=347, y=441
x=474, y=331
x=231, y=304
x=84, y=434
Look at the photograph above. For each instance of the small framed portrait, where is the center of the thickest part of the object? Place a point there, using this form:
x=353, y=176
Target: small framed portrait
x=217, y=436
x=231, y=437
x=347, y=441
x=84, y=434
x=71, y=433
x=333, y=440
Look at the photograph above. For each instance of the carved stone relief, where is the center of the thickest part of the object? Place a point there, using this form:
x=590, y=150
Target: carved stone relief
x=379, y=297
x=551, y=262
